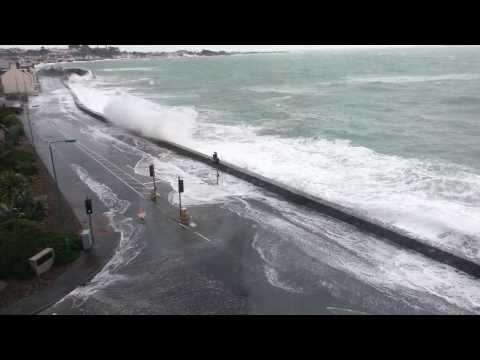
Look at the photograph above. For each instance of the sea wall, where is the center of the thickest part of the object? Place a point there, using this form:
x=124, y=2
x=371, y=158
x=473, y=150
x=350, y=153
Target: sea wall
x=336, y=211
x=83, y=107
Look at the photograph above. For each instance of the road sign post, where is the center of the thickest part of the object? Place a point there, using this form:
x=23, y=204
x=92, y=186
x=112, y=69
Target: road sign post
x=152, y=174
x=53, y=164
x=180, y=191
x=89, y=210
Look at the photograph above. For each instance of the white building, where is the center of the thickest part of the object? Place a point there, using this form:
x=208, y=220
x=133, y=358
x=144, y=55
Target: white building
x=19, y=81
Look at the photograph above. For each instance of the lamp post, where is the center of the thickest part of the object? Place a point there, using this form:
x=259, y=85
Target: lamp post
x=51, y=155
x=30, y=123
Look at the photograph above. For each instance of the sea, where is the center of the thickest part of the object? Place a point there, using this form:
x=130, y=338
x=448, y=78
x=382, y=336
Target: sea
x=392, y=133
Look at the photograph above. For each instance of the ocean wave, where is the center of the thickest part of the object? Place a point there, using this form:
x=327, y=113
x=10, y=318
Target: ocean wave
x=462, y=100
x=174, y=123
x=412, y=78
x=126, y=69
x=425, y=198
x=409, y=277
x=81, y=78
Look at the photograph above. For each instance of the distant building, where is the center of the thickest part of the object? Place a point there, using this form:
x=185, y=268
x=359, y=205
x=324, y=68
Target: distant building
x=19, y=80
x=4, y=65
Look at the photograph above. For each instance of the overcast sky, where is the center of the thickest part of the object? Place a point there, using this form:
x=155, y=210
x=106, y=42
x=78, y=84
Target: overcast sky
x=217, y=47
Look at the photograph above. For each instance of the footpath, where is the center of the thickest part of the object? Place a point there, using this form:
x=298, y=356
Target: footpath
x=83, y=269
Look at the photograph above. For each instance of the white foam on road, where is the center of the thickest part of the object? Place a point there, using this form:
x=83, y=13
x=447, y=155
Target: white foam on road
x=390, y=269
x=129, y=246
x=399, y=189
x=437, y=202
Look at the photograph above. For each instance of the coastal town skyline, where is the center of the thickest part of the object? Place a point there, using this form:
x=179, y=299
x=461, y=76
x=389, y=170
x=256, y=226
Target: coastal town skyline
x=153, y=48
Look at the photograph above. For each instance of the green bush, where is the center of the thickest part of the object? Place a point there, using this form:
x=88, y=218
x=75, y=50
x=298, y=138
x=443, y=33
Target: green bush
x=21, y=239
x=15, y=134
x=10, y=120
x=20, y=161
x=5, y=112
x=24, y=162
x=11, y=184
x=7, y=161
x=26, y=208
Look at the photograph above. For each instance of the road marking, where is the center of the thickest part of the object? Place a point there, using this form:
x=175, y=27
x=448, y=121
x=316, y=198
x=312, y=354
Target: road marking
x=203, y=237
x=151, y=182
x=119, y=168
x=345, y=311
x=101, y=160
x=117, y=177
x=189, y=229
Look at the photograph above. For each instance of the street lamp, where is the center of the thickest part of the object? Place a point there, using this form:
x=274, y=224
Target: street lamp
x=30, y=122
x=51, y=155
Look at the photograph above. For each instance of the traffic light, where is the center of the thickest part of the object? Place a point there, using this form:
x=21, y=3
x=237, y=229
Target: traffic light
x=152, y=171
x=180, y=185
x=88, y=206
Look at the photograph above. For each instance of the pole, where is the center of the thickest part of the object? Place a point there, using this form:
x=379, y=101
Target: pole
x=30, y=125
x=154, y=187
x=28, y=111
x=180, y=202
x=218, y=175
x=180, y=190
x=91, y=228
x=53, y=164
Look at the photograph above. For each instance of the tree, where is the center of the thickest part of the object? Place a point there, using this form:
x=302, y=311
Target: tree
x=11, y=185
x=85, y=49
x=15, y=133
x=25, y=207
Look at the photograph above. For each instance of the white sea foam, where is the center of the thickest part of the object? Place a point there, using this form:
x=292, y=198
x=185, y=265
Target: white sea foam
x=426, y=199
x=199, y=179
x=139, y=115
x=282, y=90
x=128, y=248
x=435, y=201
x=407, y=276
x=81, y=78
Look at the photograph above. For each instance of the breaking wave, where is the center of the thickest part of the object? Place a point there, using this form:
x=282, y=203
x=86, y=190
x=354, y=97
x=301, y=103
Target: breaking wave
x=435, y=201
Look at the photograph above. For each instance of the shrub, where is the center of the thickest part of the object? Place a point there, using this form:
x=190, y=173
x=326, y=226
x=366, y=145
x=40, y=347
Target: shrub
x=5, y=111
x=10, y=120
x=21, y=239
x=20, y=161
x=24, y=163
x=11, y=184
x=7, y=161
x=25, y=207
x=15, y=134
